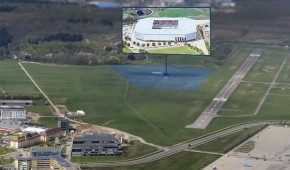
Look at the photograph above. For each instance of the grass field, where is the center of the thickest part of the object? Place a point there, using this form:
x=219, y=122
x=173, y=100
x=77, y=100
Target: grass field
x=40, y=108
x=267, y=66
x=197, y=13
x=127, y=50
x=244, y=100
x=136, y=149
x=174, y=50
x=183, y=160
x=4, y=151
x=14, y=82
x=107, y=97
x=224, y=144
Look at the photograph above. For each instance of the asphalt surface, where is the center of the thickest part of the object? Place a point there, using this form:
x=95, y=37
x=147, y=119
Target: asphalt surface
x=176, y=148
x=213, y=108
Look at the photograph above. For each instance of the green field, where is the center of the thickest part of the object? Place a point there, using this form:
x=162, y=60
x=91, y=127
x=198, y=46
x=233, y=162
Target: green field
x=174, y=50
x=244, y=100
x=195, y=13
x=106, y=97
x=14, y=82
x=4, y=151
x=127, y=50
x=136, y=149
x=224, y=144
x=183, y=160
x=267, y=66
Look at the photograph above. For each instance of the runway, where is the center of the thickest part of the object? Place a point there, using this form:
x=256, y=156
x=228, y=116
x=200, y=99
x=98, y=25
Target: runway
x=212, y=109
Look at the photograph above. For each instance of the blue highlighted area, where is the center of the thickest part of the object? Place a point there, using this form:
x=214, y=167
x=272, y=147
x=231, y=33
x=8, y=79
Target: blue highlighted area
x=179, y=78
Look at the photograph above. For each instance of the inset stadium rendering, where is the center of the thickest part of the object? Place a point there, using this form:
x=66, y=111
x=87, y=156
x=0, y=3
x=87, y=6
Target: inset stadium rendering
x=166, y=30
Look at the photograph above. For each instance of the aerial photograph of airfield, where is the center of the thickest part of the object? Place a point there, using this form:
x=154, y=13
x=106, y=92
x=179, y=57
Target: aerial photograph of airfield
x=74, y=95
x=166, y=30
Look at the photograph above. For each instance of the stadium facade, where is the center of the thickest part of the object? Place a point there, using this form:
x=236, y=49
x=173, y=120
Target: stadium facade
x=165, y=29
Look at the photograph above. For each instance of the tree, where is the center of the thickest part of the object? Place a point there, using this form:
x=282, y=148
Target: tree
x=138, y=44
x=159, y=43
x=143, y=45
x=164, y=43
x=169, y=43
x=175, y=42
x=153, y=44
x=148, y=44
x=134, y=42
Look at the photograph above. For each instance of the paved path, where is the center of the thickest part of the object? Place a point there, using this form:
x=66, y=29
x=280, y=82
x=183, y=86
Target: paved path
x=212, y=109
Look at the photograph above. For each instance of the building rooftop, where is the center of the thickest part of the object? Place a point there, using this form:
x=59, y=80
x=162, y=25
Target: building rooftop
x=11, y=107
x=96, y=137
x=10, y=126
x=61, y=161
x=51, y=131
x=34, y=129
x=45, y=149
x=16, y=101
x=179, y=25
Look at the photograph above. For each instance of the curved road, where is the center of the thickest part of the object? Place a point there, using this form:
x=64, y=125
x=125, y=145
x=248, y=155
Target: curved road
x=178, y=147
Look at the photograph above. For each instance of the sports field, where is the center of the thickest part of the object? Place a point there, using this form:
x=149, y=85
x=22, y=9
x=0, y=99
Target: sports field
x=174, y=50
x=195, y=13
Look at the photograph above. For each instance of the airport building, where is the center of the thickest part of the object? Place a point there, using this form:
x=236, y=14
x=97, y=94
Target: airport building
x=165, y=29
x=12, y=112
x=96, y=145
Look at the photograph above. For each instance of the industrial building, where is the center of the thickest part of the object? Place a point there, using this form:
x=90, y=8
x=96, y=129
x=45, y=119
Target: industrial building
x=165, y=29
x=96, y=145
x=12, y=112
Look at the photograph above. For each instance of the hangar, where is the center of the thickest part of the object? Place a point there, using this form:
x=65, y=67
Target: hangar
x=165, y=29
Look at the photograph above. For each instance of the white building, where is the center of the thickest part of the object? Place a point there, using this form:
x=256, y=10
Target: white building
x=165, y=29
x=12, y=112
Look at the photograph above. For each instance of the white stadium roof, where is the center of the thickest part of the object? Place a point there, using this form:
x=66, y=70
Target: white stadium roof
x=185, y=26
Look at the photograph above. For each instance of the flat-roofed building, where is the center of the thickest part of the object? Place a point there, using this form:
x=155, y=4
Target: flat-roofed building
x=63, y=124
x=42, y=162
x=50, y=134
x=12, y=112
x=25, y=140
x=96, y=145
x=37, y=151
x=16, y=102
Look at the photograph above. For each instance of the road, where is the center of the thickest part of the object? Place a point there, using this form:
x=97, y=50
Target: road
x=178, y=147
x=213, y=108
